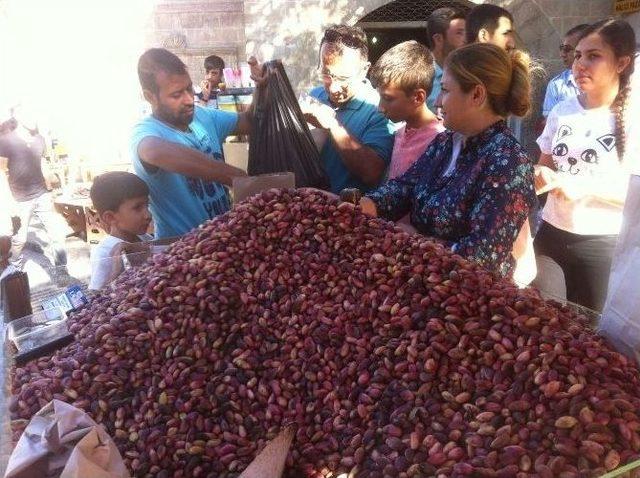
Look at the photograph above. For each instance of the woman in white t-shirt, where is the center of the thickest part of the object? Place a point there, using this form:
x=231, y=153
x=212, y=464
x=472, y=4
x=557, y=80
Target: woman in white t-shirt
x=583, y=165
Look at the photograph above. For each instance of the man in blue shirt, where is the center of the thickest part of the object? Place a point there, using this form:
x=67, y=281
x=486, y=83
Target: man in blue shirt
x=445, y=33
x=563, y=86
x=177, y=150
x=361, y=138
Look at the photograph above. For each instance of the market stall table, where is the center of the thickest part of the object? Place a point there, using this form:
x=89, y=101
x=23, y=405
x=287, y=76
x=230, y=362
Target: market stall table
x=76, y=207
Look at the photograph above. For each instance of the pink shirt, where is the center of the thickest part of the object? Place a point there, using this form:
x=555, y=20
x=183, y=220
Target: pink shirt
x=409, y=145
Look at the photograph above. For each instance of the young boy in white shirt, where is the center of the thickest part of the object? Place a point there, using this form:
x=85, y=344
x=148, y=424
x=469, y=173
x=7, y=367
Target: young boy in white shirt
x=122, y=202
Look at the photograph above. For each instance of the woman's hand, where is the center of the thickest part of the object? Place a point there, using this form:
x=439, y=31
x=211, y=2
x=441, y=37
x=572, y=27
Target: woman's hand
x=327, y=194
x=408, y=228
x=545, y=179
x=567, y=191
x=368, y=207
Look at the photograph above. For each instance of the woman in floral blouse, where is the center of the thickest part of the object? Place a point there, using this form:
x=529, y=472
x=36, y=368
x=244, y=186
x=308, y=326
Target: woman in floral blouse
x=473, y=186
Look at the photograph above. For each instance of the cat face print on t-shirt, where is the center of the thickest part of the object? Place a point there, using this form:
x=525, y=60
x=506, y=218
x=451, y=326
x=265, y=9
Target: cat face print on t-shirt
x=582, y=151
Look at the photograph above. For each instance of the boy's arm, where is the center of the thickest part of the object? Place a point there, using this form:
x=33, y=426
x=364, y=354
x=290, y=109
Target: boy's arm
x=180, y=159
x=106, y=268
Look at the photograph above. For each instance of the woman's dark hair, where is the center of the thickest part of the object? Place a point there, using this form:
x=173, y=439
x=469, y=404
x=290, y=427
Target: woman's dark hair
x=619, y=35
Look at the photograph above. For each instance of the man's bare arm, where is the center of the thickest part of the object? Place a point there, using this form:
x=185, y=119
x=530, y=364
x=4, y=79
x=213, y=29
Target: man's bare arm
x=361, y=161
x=183, y=160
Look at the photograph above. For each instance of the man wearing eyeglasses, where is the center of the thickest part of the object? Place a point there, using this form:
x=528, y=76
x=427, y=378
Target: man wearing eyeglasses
x=563, y=86
x=361, y=142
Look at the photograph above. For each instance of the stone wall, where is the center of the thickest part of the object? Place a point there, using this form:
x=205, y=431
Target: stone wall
x=564, y=15
x=634, y=20
x=195, y=29
x=291, y=30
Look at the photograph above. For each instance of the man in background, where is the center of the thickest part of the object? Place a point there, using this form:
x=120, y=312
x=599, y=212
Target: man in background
x=24, y=148
x=445, y=33
x=563, y=86
x=493, y=24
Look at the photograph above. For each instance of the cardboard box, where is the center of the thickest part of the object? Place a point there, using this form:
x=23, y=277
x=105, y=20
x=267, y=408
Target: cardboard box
x=236, y=154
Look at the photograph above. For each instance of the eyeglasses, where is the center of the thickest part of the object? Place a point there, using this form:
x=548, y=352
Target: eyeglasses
x=333, y=36
x=330, y=77
x=566, y=48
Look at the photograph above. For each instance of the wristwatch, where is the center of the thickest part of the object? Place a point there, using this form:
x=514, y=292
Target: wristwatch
x=352, y=195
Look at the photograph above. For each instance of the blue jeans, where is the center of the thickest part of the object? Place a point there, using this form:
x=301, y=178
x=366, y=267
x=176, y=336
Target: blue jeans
x=41, y=209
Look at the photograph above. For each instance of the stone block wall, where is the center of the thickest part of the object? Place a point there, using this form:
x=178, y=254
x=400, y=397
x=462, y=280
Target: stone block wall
x=291, y=30
x=195, y=29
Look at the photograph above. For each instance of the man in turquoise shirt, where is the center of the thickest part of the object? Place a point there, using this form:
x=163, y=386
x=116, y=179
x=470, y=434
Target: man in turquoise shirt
x=177, y=150
x=361, y=138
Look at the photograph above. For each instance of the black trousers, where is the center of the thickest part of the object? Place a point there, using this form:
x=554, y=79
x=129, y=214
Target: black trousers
x=585, y=261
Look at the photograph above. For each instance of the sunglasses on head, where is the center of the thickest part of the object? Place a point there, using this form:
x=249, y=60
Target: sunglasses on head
x=333, y=36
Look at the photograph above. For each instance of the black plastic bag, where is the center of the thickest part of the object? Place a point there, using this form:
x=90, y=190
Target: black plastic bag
x=280, y=139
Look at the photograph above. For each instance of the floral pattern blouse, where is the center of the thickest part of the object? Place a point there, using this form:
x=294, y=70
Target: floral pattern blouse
x=478, y=206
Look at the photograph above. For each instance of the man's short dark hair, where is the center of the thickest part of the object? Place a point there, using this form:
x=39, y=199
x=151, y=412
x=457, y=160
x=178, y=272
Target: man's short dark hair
x=409, y=65
x=155, y=60
x=346, y=36
x=110, y=190
x=486, y=17
x=578, y=29
x=439, y=21
x=213, y=62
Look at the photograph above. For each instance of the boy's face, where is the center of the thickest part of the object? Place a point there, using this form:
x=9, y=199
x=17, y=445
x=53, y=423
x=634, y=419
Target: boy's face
x=214, y=77
x=132, y=217
x=396, y=104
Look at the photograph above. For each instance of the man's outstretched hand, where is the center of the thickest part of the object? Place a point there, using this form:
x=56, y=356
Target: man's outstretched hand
x=257, y=75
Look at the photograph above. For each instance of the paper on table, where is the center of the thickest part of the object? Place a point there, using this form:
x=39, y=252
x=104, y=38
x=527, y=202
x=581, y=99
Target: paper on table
x=48, y=443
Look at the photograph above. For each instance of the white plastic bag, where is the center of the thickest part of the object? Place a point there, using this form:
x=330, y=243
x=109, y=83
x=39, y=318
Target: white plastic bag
x=620, y=321
x=63, y=441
